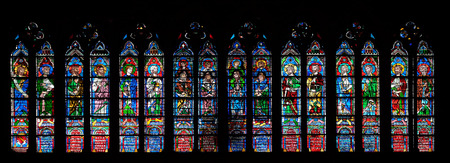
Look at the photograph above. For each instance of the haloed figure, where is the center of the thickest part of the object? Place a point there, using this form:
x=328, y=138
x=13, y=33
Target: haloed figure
x=100, y=88
x=20, y=86
x=208, y=85
x=261, y=89
x=154, y=90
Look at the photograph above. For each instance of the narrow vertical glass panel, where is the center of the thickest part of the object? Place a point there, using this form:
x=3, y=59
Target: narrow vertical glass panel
x=129, y=99
x=399, y=98
x=183, y=101
x=154, y=87
x=19, y=68
x=237, y=102
x=262, y=98
x=370, y=84
x=315, y=98
x=425, y=108
x=207, y=99
x=45, y=95
x=345, y=91
x=74, y=101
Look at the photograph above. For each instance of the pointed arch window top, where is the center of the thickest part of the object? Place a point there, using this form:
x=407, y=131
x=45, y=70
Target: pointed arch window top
x=74, y=49
x=20, y=50
x=237, y=45
x=261, y=49
x=369, y=49
x=315, y=49
x=183, y=50
x=46, y=50
x=290, y=49
x=423, y=49
x=397, y=49
x=208, y=49
x=153, y=50
x=236, y=49
x=344, y=48
x=100, y=50
x=129, y=49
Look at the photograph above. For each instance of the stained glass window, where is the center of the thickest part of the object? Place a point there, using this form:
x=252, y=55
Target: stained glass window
x=45, y=96
x=345, y=101
x=74, y=98
x=154, y=98
x=207, y=99
x=291, y=102
x=399, y=98
x=20, y=81
x=99, y=98
x=237, y=102
x=424, y=97
x=128, y=99
x=262, y=98
x=183, y=101
x=370, y=98
x=316, y=98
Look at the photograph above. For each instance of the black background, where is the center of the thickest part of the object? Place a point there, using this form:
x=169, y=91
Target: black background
x=275, y=19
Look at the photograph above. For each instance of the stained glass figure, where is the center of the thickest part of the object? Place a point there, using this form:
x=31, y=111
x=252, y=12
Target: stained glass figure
x=399, y=98
x=154, y=98
x=45, y=96
x=129, y=98
x=345, y=91
x=290, y=103
x=315, y=97
x=424, y=108
x=99, y=98
x=74, y=98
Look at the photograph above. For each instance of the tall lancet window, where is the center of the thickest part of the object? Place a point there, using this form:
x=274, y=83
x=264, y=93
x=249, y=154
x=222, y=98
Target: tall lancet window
x=316, y=98
x=291, y=102
x=237, y=101
x=183, y=98
x=99, y=98
x=262, y=98
x=154, y=101
x=74, y=94
x=345, y=101
x=207, y=99
x=45, y=96
x=128, y=99
x=399, y=98
x=20, y=80
x=370, y=85
x=424, y=97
